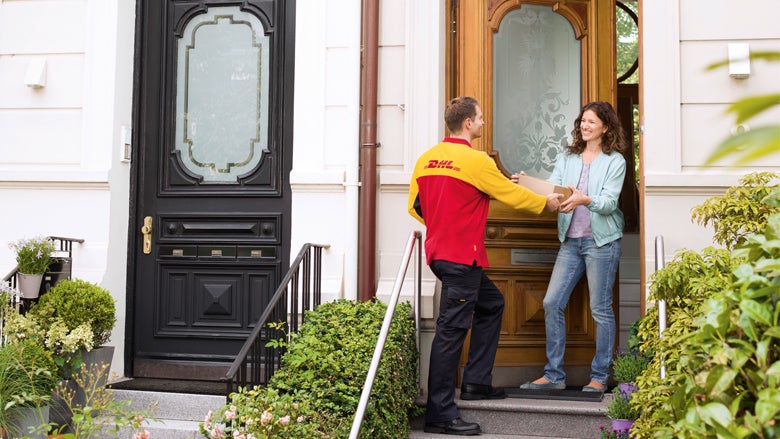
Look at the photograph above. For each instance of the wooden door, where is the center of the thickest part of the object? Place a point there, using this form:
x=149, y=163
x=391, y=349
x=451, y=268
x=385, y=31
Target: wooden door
x=210, y=223
x=532, y=64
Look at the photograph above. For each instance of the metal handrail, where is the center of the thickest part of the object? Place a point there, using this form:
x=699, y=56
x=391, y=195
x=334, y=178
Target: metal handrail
x=256, y=362
x=659, y=264
x=380, y=344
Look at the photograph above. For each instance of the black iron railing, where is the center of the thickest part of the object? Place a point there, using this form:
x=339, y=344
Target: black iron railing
x=299, y=291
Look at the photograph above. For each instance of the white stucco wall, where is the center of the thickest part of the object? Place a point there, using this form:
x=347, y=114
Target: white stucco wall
x=60, y=172
x=683, y=117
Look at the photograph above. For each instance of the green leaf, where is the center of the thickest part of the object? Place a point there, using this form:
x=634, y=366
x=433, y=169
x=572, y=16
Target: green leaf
x=719, y=380
x=758, y=142
x=765, y=55
x=756, y=311
x=768, y=405
x=746, y=108
x=716, y=413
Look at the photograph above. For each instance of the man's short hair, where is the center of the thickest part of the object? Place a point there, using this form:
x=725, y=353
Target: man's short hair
x=458, y=110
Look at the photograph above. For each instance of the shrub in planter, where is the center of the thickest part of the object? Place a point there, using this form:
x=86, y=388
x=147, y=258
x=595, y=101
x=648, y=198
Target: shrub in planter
x=27, y=379
x=327, y=362
x=76, y=302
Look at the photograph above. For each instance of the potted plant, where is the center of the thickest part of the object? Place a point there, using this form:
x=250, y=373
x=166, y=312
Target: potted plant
x=627, y=367
x=32, y=260
x=27, y=380
x=620, y=411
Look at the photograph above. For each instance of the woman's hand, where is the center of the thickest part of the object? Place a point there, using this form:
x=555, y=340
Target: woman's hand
x=577, y=199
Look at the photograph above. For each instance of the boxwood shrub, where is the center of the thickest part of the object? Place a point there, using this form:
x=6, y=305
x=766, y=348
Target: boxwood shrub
x=328, y=359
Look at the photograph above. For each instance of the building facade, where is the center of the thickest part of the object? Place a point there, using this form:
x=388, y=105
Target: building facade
x=90, y=122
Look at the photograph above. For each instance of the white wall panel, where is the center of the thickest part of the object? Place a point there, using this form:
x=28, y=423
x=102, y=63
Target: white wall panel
x=390, y=135
x=728, y=19
x=716, y=86
x=63, y=88
x=705, y=126
x=391, y=76
x=392, y=29
x=38, y=137
x=56, y=26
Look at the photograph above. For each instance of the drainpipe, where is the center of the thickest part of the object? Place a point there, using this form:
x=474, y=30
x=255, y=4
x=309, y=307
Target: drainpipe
x=368, y=146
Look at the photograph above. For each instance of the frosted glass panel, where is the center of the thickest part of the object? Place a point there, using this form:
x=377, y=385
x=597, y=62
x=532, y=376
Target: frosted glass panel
x=536, y=86
x=222, y=95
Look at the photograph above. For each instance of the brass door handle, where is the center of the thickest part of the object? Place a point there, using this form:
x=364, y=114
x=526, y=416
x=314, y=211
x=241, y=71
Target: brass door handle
x=146, y=230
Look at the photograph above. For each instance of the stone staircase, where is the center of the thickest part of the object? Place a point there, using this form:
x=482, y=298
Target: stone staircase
x=528, y=418
x=178, y=416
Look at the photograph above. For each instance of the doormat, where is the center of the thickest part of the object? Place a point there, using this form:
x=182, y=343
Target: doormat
x=570, y=393
x=172, y=386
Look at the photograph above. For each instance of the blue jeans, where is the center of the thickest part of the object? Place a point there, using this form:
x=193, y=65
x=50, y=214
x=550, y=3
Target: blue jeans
x=578, y=256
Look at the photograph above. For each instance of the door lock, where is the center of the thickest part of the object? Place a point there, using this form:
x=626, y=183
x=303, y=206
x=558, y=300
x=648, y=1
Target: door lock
x=146, y=230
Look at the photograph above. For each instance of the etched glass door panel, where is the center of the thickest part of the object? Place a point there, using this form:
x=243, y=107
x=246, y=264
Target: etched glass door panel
x=222, y=85
x=536, y=88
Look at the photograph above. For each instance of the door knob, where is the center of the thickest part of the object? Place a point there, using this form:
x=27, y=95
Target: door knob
x=146, y=230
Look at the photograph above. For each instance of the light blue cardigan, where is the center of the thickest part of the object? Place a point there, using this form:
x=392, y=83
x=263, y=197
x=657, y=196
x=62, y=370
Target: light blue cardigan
x=605, y=181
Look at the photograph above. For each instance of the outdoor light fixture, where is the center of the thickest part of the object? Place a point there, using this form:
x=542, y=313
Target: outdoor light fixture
x=36, y=73
x=739, y=60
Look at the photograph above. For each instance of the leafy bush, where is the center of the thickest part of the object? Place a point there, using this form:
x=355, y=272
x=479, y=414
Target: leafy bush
x=728, y=383
x=720, y=345
x=740, y=212
x=328, y=359
x=261, y=413
x=76, y=302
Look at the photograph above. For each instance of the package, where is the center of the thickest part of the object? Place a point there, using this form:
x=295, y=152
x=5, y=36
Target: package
x=543, y=187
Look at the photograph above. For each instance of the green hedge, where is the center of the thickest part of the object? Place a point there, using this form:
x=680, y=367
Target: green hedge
x=328, y=361
x=316, y=392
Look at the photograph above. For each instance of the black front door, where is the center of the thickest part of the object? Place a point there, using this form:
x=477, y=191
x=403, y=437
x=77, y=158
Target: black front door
x=210, y=227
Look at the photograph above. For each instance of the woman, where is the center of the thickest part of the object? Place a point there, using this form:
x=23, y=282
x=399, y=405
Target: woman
x=590, y=228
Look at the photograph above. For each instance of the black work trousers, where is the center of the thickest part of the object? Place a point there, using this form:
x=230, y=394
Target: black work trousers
x=469, y=300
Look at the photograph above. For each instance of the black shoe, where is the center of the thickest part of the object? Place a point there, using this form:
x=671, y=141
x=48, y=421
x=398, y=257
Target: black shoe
x=472, y=392
x=457, y=427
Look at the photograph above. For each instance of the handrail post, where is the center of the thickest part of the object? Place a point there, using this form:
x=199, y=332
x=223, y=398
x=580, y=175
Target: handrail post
x=380, y=343
x=659, y=264
x=418, y=303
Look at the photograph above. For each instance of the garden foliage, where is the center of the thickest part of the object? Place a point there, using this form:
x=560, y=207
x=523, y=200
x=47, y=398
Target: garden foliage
x=721, y=346
x=317, y=389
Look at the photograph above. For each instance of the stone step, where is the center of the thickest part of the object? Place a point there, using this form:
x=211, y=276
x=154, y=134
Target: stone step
x=528, y=418
x=177, y=415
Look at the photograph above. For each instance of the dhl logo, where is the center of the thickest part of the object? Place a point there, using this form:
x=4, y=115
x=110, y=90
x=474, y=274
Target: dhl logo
x=446, y=164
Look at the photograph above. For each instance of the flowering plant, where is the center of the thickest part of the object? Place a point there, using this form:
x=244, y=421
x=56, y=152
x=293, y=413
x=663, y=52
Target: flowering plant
x=606, y=433
x=64, y=344
x=258, y=413
x=32, y=255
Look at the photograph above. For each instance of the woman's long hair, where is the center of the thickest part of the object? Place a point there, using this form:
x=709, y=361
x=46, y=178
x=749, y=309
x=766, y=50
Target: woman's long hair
x=612, y=140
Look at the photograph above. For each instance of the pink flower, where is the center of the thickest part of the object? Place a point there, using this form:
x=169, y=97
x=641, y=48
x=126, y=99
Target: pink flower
x=266, y=417
x=284, y=420
x=299, y=420
x=230, y=414
x=141, y=435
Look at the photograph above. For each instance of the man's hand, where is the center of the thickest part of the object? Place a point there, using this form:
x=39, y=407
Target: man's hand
x=514, y=176
x=553, y=202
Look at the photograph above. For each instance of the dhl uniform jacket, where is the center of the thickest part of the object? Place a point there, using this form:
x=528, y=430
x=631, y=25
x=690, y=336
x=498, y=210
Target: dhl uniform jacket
x=450, y=193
